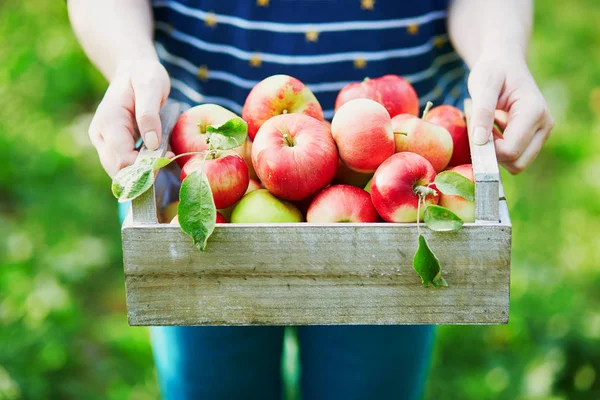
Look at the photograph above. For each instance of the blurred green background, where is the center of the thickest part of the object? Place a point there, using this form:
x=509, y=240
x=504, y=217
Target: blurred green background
x=63, y=328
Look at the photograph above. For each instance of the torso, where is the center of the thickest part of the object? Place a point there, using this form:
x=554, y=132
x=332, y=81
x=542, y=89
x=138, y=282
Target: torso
x=216, y=50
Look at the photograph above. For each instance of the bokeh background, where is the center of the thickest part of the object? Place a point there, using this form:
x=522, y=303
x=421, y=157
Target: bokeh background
x=63, y=328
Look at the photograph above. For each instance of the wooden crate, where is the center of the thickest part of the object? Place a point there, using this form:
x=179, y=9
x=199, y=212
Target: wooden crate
x=304, y=274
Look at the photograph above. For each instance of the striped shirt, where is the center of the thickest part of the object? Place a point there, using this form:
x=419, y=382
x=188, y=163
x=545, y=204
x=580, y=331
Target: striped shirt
x=216, y=50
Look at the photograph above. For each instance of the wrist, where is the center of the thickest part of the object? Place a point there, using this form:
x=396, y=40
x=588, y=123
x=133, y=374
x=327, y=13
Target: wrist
x=503, y=48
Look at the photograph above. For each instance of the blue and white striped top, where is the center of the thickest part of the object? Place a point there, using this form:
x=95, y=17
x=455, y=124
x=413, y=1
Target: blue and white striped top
x=217, y=50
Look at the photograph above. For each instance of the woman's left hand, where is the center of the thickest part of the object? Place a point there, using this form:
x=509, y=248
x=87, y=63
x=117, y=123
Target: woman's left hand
x=503, y=81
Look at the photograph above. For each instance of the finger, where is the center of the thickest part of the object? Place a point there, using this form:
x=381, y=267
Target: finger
x=148, y=99
x=120, y=144
x=485, y=85
x=530, y=153
x=524, y=121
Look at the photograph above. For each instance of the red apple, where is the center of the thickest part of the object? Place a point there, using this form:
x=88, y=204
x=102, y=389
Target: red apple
x=454, y=121
x=219, y=220
x=345, y=175
x=227, y=175
x=276, y=95
x=246, y=152
x=460, y=206
x=393, y=92
x=294, y=156
x=342, y=203
x=362, y=130
x=189, y=133
x=252, y=186
x=396, y=184
x=417, y=136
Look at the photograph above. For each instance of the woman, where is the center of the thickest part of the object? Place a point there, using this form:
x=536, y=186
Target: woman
x=215, y=51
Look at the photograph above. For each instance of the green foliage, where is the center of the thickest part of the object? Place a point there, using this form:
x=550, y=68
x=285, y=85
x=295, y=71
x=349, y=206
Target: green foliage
x=63, y=327
x=427, y=265
x=196, y=210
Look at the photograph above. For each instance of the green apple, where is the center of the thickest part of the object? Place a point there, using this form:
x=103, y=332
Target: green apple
x=260, y=206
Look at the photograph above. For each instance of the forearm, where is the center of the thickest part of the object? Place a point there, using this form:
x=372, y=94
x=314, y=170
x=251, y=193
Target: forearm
x=481, y=27
x=113, y=32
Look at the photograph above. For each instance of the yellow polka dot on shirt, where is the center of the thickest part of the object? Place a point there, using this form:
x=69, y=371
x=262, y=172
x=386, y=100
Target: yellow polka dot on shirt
x=203, y=72
x=412, y=29
x=312, y=36
x=360, y=63
x=262, y=3
x=255, y=61
x=211, y=20
x=367, y=4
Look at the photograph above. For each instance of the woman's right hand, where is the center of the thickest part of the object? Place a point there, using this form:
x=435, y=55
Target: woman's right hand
x=129, y=108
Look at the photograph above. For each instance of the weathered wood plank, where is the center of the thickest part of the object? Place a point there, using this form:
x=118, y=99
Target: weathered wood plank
x=486, y=173
x=314, y=274
x=143, y=208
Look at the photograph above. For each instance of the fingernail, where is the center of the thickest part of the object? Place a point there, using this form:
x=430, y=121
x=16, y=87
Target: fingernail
x=151, y=140
x=480, y=136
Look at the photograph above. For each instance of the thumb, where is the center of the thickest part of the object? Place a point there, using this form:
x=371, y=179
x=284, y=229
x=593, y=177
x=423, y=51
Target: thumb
x=485, y=85
x=149, y=95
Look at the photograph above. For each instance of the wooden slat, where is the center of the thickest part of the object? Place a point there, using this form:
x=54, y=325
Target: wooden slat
x=486, y=173
x=143, y=208
x=304, y=274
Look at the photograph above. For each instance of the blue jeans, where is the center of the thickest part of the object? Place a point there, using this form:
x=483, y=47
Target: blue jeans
x=337, y=362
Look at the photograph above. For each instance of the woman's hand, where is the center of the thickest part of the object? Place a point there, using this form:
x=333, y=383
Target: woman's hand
x=129, y=108
x=503, y=81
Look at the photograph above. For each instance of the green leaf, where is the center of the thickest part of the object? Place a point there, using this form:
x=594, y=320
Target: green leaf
x=441, y=219
x=196, y=210
x=134, y=180
x=427, y=265
x=228, y=136
x=453, y=183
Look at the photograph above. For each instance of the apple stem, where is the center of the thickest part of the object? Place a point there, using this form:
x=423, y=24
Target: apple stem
x=421, y=198
x=191, y=153
x=284, y=111
x=288, y=140
x=427, y=108
x=423, y=191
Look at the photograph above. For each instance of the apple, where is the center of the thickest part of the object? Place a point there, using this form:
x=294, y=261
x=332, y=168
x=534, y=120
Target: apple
x=245, y=151
x=276, y=95
x=431, y=141
x=252, y=186
x=362, y=130
x=227, y=175
x=261, y=206
x=393, y=92
x=189, y=133
x=396, y=185
x=345, y=175
x=294, y=156
x=460, y=206
x=169, y=211
x=342, y=203
x=454, y=121
x=219, y=220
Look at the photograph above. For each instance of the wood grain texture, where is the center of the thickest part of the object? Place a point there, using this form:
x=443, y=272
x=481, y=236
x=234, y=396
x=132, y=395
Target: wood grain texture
x=486, y=173
x=303, y=274
x=143, y=208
